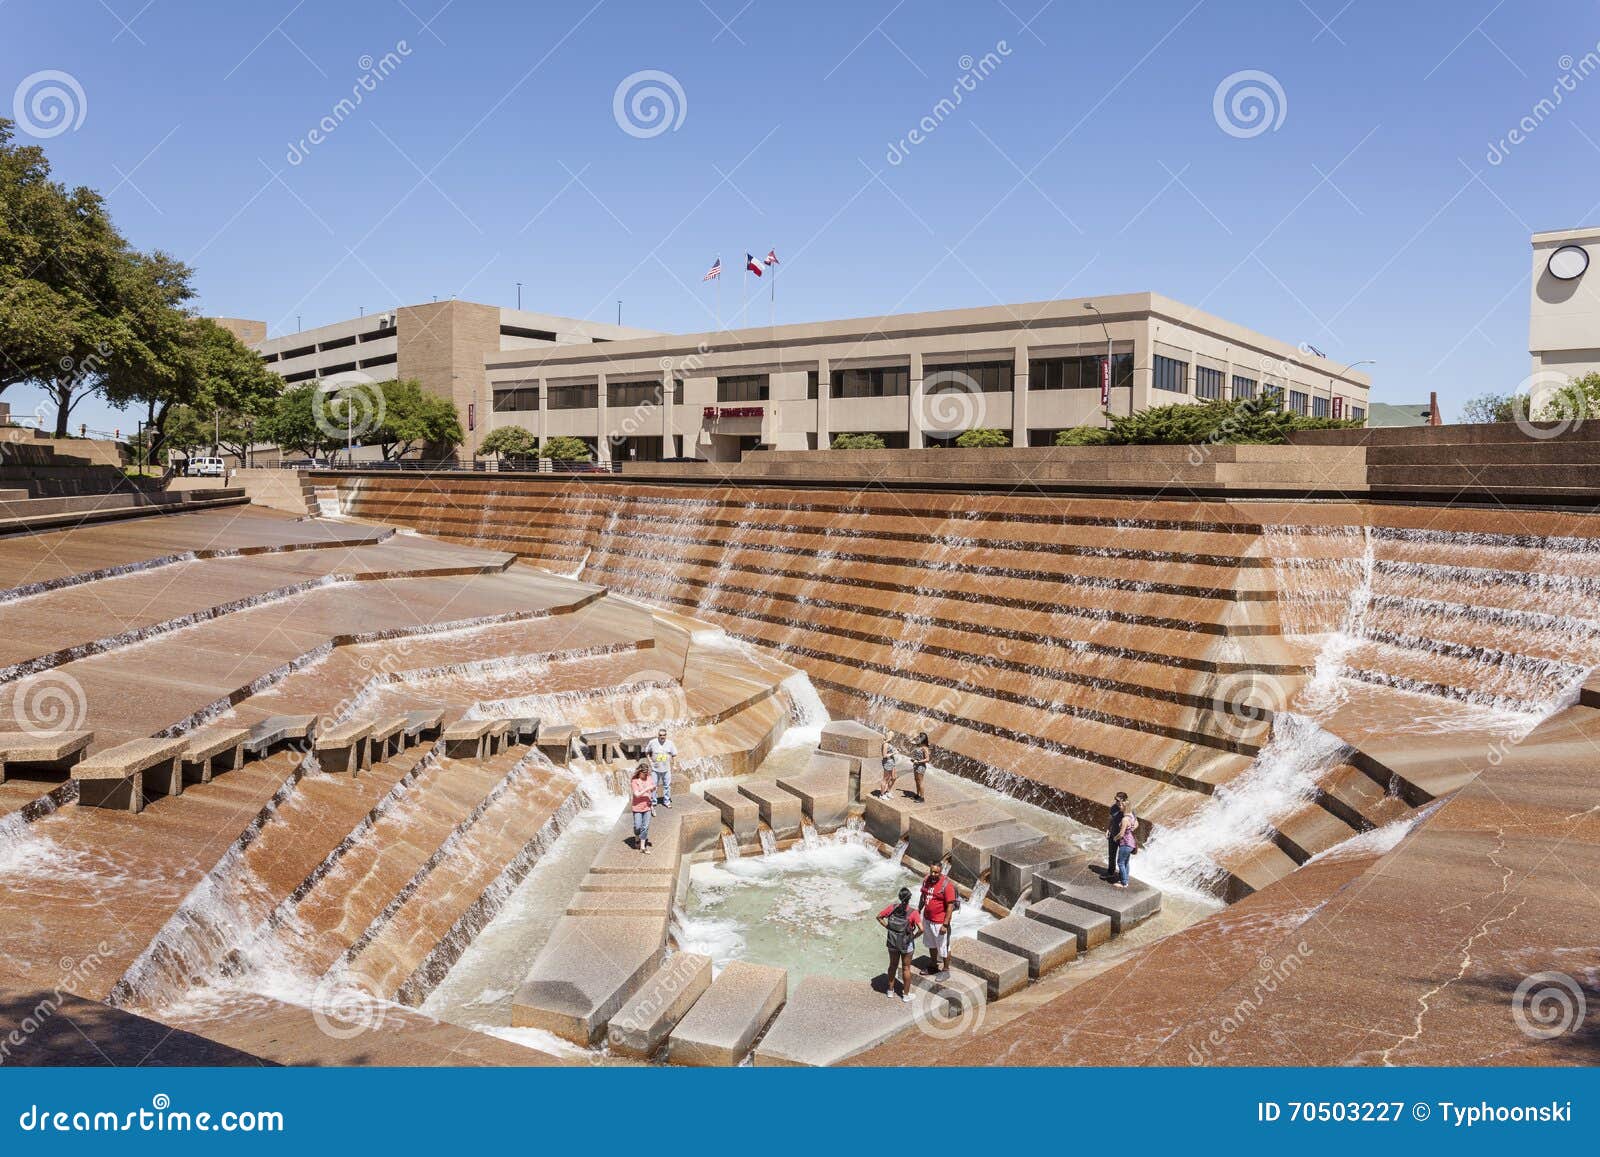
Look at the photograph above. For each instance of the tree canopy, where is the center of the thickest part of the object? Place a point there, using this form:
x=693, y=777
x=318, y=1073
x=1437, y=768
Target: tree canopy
x=857, y=442
x=565, y=448
x=509, y=442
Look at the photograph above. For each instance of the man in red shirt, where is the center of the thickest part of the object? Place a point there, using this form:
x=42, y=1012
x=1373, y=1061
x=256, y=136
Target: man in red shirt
x=939, y=903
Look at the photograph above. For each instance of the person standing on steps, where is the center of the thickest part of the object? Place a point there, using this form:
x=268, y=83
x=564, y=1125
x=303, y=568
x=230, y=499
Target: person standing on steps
x=1119, y=808
x=891, y=767
x=642, y=790
x=1127, y=844
x=662, y=754
x=921, y=756
x=939, y=903
x=903, y=923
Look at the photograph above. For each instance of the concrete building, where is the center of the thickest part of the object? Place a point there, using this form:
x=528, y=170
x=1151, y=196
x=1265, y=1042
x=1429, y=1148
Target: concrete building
x=915, y=379
x=442, y=344
x=1564, y=304
x=1384, y=414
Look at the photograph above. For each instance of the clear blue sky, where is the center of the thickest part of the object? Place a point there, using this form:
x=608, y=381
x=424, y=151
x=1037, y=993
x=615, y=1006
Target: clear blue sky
x=1369, y=221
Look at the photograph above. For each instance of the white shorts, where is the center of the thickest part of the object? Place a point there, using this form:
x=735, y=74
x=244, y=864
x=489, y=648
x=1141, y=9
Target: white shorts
x=936, y=937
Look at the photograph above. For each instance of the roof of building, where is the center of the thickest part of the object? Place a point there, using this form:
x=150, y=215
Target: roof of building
x=1398, y=414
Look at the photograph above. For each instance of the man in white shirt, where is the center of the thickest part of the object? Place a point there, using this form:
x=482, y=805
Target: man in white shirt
x=662, y=754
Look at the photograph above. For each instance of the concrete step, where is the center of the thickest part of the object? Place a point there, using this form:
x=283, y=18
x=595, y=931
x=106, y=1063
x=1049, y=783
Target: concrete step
x=1043, y=946
x=777, y=807
x=644, y=1023
x=1002, y=971
x=724, y=1023
x=1011, y=871
x=889, y=817
x=972, y=853
x=828, y=1020
x=741, y=813
x=587, y=971
x=1083, y=885
x=825, y=789
x=1090, y=927
x=933, y=831
x=959, y=990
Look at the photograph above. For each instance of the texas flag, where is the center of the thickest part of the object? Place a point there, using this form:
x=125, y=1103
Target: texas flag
x=752, y=264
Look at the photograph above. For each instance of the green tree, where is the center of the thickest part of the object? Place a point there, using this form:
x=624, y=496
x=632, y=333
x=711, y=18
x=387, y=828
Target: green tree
x=1578, y=399
x=409, y=417
x=857, y=442
x=297, y=422
x=1490, y=407
x=509, y=442
x=1257, y=420
x=983, y=438
x=564, y=448
x=1083, y=436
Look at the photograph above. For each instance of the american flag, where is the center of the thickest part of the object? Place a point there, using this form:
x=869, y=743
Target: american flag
x=714, y=272
x=771, y=257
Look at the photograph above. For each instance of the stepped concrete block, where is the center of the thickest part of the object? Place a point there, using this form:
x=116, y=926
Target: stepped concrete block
x=933, y=832
x=959, y=990
x=828, y=1020
x=1002, y=972
x=1083, y=885
x=832, y=763
x=641, y=1026
x=210, y=750
x=1044, y=946
x=125, y=776
x=723, y=1023
x=699, y=822
x=344, y=747
x=779, y=808
x=587, y=970
x=847, y=737
x=618, y=855
x=21, y=751
x=971, y=853
x=555, y=741
x=1090, y=927
x=824, y=791
x=644, y=880
x=424, y=724
x=278, y=730
x=739, y=811
x=633, y=902
x=889, y=817
x=1011, y=872
x=470, y=738
x=387, y=738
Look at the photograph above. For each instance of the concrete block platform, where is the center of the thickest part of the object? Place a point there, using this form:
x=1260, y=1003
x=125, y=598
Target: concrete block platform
x=646, y=879
x=587, y=971
x=1011, y=871
x=739, y=811
x=824, y=791
x=1044, y=946
x=779, y=808
x=724, y=1023
x=971, y=852
x=1082, y=885
x=933, y=830
x=1002, y=972
x=847, y=737
x=699, y=822
x=889, y=817
x=1090, y=927
x=125, y=776
x=644, y=1023
x=620, y=903
x=828, y=1020
x=959, y=990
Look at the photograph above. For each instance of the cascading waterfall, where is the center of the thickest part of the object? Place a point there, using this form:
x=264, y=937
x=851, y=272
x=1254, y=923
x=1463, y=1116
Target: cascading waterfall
x=730, y=846
x=769, y=841
x=980, y=892
x=899, y=852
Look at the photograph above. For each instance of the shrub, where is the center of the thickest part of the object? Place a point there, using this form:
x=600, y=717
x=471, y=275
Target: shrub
x=509, y=442
x=983, y=438
x=565, y=449
x=1258, y=420
x=1083, y=436
x=857, y=442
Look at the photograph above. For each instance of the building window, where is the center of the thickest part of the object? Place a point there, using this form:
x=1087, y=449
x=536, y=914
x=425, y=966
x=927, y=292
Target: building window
x=636, y=448
x=1358, y=413
x=990, y=377
x=574, y=397
x=337, y=343
x=743, y=388
x=1043, y=436
x=302, y=376
x=1297, y=401
x=645, y=393
x=1319, y=407
x=1244, y=387
x=887, y=382
x=517, y=398
x=299, y=353
x=380, y=360
x=524, y=331
x=813, y=380
x=1079, y=373
x=1171, y=374
x=1207, y=383
x=677, y=391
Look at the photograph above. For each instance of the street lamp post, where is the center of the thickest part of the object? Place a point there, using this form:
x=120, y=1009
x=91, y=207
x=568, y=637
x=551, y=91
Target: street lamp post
x=1089, y=305
x=1347, y=369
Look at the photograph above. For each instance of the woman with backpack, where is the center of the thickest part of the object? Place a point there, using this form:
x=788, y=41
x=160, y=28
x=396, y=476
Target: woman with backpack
x=903, y=923
x=1127, y=844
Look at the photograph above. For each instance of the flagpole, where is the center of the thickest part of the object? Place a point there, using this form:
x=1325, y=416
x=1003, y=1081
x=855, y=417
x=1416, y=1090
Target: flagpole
x=772, y=300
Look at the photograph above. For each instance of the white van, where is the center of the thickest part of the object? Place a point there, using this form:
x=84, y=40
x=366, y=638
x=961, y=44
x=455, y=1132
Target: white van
x=205, y=468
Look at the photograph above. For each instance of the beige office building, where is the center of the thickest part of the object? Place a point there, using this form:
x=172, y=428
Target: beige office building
x=914, y=379
x=1564, y=307
x=442, y=344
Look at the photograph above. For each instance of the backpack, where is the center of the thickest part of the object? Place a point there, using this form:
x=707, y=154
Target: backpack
x=900, y=937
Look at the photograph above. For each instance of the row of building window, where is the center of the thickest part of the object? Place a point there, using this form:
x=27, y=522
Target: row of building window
x=645, y=393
